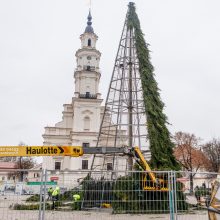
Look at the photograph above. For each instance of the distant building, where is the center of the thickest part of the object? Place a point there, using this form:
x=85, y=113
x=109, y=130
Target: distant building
x=6, y=174
x=35, y=173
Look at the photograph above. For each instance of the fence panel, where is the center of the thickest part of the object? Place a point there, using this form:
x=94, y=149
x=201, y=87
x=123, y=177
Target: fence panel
x=108, y=195
x=105, y=195
x=192, y=195
x=19, y=199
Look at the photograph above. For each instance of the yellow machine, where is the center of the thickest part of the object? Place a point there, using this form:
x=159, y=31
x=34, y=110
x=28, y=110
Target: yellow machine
x=152, y=183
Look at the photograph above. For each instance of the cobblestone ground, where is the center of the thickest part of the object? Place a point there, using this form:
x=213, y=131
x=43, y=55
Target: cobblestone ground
x=87, y=215
x=8, y=214
x=78, y=215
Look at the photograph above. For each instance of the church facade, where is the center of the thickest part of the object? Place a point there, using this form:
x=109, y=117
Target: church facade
x=81, y=118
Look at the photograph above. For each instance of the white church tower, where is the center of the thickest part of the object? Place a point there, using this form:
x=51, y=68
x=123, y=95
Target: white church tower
x=81, y=119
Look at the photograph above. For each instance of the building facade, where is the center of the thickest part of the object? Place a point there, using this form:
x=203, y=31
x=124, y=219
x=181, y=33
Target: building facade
x=81, y=118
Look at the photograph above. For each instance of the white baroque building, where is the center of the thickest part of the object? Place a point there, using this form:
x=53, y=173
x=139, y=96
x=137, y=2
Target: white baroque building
x=81, y=118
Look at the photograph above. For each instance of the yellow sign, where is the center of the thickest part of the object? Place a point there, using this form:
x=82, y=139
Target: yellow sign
x=27, y=151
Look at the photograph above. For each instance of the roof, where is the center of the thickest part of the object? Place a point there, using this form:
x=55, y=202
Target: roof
x=37, y=167
x=89, y=28
x=8, y=165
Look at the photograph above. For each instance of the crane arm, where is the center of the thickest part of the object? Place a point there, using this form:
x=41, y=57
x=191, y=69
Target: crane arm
x=134, y=152
x=105, y=150
x=78, y=151
x=139, y=158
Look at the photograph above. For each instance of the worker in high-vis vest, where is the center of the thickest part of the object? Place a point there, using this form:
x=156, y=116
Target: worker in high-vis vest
x=50, y=191
x=55, y=196
x=76, y=202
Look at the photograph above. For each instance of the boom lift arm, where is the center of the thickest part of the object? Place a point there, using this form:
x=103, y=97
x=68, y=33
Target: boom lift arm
x=155, y=183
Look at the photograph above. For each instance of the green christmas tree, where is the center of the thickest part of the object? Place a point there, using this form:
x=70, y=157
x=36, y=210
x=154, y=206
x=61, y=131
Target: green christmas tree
x=161, y=146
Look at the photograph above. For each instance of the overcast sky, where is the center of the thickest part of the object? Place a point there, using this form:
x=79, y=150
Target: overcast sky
x=39, y=38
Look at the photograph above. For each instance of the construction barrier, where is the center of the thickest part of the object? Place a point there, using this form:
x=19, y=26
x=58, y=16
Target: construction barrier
x=109, y=195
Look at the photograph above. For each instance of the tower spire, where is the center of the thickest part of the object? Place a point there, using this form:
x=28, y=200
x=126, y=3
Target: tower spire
x=89, y=28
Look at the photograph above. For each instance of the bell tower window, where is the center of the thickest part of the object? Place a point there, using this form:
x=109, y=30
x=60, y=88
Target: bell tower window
x=87, y=94
x=89, y=42
x=88, y=68
x=86, y=124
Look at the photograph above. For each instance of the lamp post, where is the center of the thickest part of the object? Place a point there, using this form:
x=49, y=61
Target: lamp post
x=20, y=163
x=20, y=167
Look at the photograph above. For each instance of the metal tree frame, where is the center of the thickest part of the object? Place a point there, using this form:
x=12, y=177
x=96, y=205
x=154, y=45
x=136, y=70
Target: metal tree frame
x=124, y=118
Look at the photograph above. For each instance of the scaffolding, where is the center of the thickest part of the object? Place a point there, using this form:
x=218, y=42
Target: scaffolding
x=124, y=119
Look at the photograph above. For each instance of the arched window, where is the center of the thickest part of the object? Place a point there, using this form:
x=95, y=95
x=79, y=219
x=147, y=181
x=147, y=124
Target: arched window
x=86, y=123
x=89, y=42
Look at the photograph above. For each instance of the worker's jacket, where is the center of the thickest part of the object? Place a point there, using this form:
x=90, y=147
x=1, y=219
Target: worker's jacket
x=76, y=197
x=50, y=191
x=55, y=192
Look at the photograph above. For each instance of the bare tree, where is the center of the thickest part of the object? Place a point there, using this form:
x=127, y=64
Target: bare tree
x=189, y=154
x=25, y=164
x=212, y=152
x=22, y=163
